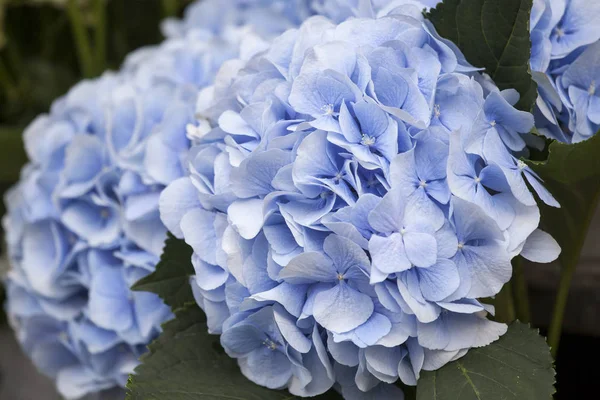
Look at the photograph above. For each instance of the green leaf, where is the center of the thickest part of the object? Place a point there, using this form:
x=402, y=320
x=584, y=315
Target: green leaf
x=572, y=175
x=493, y=34
x=518, y=366
x=170, y=280
x=186, y=363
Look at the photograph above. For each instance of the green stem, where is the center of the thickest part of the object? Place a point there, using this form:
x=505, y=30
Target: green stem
x=120, y=30
x=100, y=35
x=566, y=277
x=170, y=8
x=6, y=80
x=84, y=50
x=520, y=291
x=16, y=66
x=505, y=307
x=568, y=267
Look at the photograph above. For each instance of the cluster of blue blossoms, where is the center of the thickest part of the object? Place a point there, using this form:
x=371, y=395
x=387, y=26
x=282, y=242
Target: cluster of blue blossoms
x=353, y=191
x=83, y=223
x=350, y=185
x=565, y=56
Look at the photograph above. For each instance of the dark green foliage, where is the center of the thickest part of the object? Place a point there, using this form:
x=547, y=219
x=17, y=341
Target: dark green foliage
x=493, y=34
x=186, y=363
x=518, y=366
x=170, y=280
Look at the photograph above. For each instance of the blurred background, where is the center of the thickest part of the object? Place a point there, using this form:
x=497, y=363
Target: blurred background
x=46, y=46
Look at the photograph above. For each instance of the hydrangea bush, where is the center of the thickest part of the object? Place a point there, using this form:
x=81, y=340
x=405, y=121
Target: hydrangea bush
x=358, y=194
x=351, y=185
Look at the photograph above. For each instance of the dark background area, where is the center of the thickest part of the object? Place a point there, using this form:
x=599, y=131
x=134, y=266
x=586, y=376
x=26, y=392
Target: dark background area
x=39, y=62
x=577, y=365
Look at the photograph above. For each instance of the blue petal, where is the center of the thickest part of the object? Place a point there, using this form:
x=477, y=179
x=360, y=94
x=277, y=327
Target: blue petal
x=309, y=267
x=540, y=247
x=388, y=253
x=266, y=367
x=198, y=229
x=345, y=254
x=345, y=353
x=341, y=308
x=109, y=305
x=290, y=331
x=175, y=201
x=247, y=217
x=439, y=281
x=420, y=248
x=242, y=339
x=255, y=174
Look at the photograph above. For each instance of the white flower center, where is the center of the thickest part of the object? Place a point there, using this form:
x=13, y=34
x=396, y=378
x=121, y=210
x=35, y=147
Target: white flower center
x=436, y=110
x=493, y=123
x=340, y=277
x=367, y=140
x=423, y=184
x=521, y=165
x=270, y=344
x=199, y=131
x=338, y=177
x=592, y=88
x=403, y=231
x=461, y=245
x=477, y=180
x=559, y=32
x=328, y=109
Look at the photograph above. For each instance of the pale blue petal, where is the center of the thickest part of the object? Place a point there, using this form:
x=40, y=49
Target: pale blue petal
x=540, y=247
x=388, y=253
x=341, y=308
x=309, y=267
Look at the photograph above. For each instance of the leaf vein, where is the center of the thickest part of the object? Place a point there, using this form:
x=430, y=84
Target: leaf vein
x=464, y=372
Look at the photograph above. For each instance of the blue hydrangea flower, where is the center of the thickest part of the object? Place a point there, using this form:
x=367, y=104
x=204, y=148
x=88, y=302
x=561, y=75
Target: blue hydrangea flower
x=83, y=223
x=578, y=88
x=72, y=260
x=564, y=38
x=353, y=193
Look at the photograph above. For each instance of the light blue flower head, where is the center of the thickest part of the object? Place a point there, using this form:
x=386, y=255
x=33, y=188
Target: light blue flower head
x=562, y=34
x=83, y=223
x=72, y=253
x=353, y=191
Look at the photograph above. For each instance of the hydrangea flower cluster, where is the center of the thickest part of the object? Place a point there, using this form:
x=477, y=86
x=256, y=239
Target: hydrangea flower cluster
x=83, y=222
x=353, y=192
x=565, y=53
x=77, y=243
